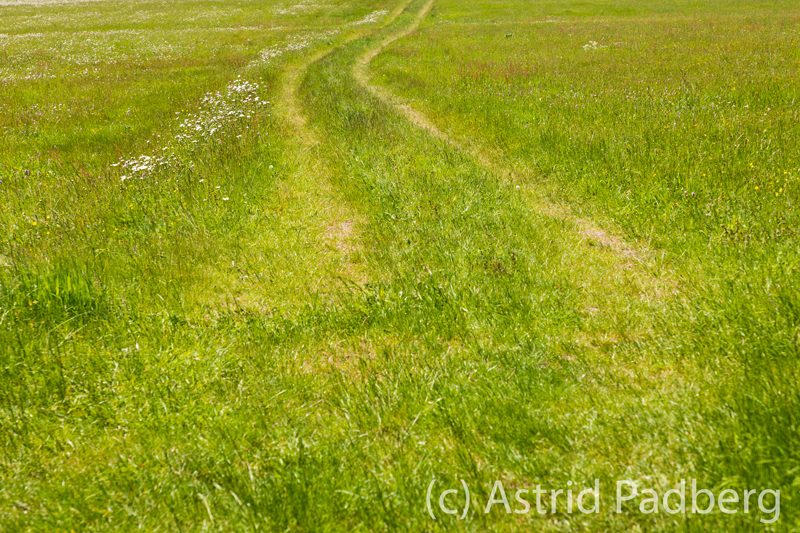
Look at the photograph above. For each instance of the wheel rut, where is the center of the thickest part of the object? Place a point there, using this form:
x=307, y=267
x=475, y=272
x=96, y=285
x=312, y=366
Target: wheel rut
x=309, y=184
x=643, y=274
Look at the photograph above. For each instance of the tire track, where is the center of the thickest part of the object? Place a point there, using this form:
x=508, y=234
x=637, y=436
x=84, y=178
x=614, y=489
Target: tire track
x=638, y=265
x=309, y=183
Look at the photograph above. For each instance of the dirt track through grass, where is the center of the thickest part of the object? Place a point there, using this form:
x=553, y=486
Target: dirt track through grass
x=653, y=281
x=610, y=271
x=310, y=184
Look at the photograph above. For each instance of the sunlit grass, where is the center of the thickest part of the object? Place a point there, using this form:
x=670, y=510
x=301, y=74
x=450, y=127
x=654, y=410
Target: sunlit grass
x=217, y=314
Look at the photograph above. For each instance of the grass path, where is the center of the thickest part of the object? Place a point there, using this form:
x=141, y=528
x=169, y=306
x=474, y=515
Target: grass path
x=479, y=286
x=602, y=259
x=308, y=186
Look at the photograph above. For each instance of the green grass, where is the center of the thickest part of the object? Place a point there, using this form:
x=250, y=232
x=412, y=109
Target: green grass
x=299, y=321
x=679, y=129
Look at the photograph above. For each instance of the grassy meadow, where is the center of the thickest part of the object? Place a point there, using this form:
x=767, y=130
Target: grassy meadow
x=279, y=264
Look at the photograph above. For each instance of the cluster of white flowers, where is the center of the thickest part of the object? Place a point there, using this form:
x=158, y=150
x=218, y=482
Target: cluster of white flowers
x=143, y=166
x=593, y=45
x=299, y=43
x=297, y=8
x=87, y=53
x=275, y=51
x=373, y=17
x=79, y=54
x=153, y=35
x=220, y=109
x=7, y=76
x=218, y=112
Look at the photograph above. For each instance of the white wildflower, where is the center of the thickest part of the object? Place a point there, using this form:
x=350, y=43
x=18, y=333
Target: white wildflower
x=593, y=45
x=372, y=18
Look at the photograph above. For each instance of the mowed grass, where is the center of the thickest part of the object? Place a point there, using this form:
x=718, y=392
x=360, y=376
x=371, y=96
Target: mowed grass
x=266, y=332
